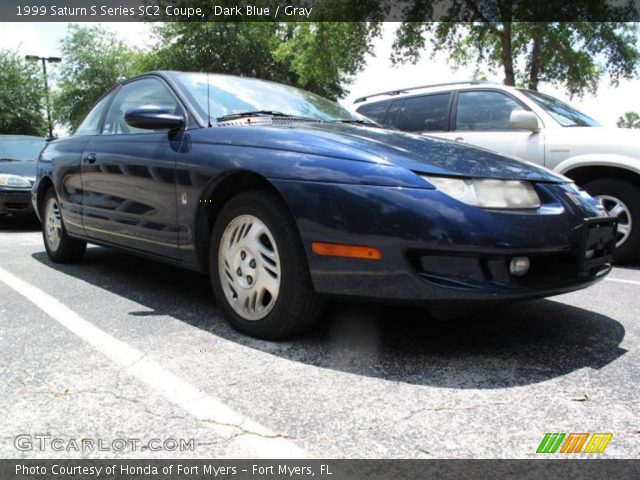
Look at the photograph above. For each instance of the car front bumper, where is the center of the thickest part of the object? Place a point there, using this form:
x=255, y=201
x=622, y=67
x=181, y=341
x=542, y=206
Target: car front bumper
x=435, y=249
x=15, y=201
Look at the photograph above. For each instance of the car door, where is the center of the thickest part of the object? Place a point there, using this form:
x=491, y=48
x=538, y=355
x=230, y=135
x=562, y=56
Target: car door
x=128, y=175
x=66, y=154
x=481, y=118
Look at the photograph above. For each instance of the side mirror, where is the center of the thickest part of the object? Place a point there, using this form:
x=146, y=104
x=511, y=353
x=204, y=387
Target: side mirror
x=151, y=117
x=524, y=120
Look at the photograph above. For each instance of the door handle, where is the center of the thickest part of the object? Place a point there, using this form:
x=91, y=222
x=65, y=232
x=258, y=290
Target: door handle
x=91, y=158
x=459, y=139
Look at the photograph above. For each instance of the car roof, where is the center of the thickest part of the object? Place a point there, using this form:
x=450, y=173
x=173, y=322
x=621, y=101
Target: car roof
x=423, y=89
x=170, y=74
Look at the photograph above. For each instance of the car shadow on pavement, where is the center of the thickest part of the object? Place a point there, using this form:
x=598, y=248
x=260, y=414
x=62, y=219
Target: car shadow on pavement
x=19, y=223
x=496, y=347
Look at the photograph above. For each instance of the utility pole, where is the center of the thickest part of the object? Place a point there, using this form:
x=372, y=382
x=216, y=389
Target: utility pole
x=44, y=61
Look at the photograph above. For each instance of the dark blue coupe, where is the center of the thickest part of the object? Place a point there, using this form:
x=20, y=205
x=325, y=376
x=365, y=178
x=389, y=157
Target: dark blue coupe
x=287, y=199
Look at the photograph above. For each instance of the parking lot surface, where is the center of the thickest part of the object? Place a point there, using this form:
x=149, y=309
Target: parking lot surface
x=118, y=347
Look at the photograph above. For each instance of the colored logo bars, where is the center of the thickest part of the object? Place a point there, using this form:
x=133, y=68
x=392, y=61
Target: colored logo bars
x=573, y=442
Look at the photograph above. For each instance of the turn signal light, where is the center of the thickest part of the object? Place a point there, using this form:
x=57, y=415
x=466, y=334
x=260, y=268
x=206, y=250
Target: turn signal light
x=349, y=251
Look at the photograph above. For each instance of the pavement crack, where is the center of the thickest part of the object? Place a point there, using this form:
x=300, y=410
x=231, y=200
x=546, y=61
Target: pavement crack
x=583, y=398
x=440, y=409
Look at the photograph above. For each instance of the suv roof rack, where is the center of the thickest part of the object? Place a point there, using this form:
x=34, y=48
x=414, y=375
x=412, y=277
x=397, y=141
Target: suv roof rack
x=404, y=90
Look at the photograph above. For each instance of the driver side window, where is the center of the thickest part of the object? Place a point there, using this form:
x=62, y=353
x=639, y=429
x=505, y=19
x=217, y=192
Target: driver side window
x=147, y=91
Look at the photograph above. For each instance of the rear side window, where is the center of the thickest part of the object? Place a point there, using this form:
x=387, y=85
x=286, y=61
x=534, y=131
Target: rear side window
x=429, y=113
x=374, y=111
x=484, y=111
x=392, y=114
x=91, y=124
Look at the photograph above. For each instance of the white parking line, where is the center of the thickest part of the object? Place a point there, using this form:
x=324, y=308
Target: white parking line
x=247, y=439
x=619, y=280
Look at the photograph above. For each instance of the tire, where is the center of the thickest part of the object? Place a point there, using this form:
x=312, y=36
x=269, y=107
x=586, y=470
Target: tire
x=612, y=192
x=259, y=268
x=60, y=247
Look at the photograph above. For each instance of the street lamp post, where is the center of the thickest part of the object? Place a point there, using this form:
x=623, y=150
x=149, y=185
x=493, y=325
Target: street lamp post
x=44, y=61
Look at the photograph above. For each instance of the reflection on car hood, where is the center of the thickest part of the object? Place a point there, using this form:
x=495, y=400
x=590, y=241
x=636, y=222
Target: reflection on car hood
x=428, y=155
x=21, y=168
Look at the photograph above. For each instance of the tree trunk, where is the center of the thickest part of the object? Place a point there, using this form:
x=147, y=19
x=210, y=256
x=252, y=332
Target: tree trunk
x=507, y=54
x=536, y=61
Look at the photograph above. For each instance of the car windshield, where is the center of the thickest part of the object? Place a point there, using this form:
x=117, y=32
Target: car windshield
x=20, y=150
x=229, y=95
x=564, y=114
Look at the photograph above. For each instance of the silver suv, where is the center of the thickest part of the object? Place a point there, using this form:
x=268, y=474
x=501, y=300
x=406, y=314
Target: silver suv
x=531, y=126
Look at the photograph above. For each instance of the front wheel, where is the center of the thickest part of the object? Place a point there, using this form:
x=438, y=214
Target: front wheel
x=60, y=247
x=621, y=199
x=259, y=269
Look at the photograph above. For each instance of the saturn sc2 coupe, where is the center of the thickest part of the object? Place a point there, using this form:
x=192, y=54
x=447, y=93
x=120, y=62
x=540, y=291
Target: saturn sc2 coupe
x=286, y=199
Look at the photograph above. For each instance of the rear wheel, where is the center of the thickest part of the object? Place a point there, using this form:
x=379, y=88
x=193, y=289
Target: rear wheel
x=259, y=269
x=60, y=247
x=621, y=199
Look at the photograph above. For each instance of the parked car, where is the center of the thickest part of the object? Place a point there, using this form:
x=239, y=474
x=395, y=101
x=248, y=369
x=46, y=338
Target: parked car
x=18, y=157
x=286, y=198
x=531, y=126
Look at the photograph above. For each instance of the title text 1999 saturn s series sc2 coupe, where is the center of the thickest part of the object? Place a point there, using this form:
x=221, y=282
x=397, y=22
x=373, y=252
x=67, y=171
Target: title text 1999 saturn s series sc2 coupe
x=286, y=199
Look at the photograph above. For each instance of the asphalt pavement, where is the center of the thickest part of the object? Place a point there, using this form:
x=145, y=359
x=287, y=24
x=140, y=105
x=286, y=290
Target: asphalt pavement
x=121, y=350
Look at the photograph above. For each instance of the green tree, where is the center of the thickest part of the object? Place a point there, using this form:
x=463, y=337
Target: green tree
x=21, y=96
x=321, y=57
x=325, y=56
x=94, y=60
x=629, y=120
x=574, y=56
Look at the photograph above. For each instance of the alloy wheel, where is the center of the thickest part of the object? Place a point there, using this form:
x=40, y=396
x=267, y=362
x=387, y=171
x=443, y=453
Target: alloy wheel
x=616, y=208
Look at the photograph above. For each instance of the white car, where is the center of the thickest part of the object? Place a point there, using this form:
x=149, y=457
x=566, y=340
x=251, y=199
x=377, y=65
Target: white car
x=531, y=126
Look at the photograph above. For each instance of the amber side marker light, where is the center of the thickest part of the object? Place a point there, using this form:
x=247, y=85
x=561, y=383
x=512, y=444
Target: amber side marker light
x=349, y=251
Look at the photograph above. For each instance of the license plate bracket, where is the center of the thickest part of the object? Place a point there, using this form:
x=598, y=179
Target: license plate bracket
x=597, y=242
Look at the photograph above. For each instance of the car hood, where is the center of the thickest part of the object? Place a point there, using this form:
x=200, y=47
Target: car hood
x=428, y=155
x=21, y=168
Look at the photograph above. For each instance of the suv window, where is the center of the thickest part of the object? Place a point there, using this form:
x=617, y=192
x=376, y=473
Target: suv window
x=392, y=114
x=429, y=113
x=147, y=91
x=374, y=111
x=91, y=122
x=485, y=111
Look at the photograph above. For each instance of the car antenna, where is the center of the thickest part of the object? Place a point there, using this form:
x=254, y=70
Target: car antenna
x=208, y=102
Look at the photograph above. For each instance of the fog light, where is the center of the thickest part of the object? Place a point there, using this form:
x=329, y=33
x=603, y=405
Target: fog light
x=519, y=266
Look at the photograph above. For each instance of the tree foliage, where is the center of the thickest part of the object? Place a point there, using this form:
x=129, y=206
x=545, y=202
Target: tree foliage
x=325, y=56
x=574, y=56
x=629, y=120
x=321, y=57
x=94, y=60
x=21, y=96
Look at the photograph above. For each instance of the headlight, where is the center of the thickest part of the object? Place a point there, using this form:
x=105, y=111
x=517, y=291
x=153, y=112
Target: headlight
x=487, y=192
x=7, y=180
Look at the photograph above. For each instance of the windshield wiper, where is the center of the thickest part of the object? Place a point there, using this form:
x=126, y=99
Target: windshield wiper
x=360, y=122
x=9, y=160
x=255, y=113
